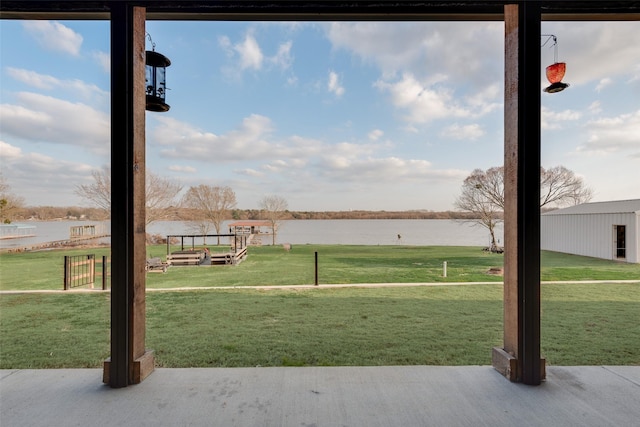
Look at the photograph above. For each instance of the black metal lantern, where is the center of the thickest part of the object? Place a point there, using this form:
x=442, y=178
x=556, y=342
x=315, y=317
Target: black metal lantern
x=155, y=81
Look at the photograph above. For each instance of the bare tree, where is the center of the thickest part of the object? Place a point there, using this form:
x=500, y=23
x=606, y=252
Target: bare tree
x=160, y=194
x=561, y=187
x=274, y=209
x=99, y=192
x=483, y=193
x=199, y=224
x=10, y=203
x=214, y=203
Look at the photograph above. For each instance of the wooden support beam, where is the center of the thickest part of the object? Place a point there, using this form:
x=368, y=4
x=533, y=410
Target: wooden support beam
x=520, y=360
x=129, y=363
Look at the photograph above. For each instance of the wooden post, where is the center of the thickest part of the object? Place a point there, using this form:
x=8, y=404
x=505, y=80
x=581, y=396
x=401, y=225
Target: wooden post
x=130, y=363
x=316, y=269
x=520, y=360
x=67, y=272
x=104, y=272
x=92, y=270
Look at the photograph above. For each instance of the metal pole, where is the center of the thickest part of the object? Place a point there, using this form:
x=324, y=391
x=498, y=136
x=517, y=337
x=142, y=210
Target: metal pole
x=316, y=275
x=66, y=273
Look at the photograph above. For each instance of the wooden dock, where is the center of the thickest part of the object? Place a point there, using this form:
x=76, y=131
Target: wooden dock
x=55, y=244
x=186, y=258
x=201, y=257
x=77, y=234
x=16, y=231
x=228, y=258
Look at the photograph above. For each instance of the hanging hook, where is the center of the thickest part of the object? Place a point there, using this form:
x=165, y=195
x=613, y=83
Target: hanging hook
x=554, y=45
x=153, y=45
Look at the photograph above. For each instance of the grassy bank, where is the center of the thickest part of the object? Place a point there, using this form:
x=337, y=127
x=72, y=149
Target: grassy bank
x=271, y=265
x=582, y=324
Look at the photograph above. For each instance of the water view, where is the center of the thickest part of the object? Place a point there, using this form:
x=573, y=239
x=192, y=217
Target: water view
x=424, y=232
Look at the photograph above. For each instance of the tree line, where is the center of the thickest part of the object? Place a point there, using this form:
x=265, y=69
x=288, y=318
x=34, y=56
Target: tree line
x=206, y=207
x=50, y=213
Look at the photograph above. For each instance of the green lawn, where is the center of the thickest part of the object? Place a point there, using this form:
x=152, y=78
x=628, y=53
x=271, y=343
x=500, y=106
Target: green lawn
x=582, y=324
x=271, y=265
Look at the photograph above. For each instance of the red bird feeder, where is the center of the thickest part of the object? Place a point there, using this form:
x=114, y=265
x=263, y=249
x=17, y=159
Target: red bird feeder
x=555, y=73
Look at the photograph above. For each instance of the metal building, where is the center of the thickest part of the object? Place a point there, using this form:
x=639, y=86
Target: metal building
x=608, y=230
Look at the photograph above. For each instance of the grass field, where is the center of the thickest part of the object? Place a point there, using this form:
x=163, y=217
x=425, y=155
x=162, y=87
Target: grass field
x=271, y=265
x=582, y=324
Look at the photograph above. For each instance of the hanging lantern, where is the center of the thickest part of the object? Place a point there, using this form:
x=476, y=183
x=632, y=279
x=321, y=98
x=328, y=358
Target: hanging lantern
x=155, y=80
x=555, y=71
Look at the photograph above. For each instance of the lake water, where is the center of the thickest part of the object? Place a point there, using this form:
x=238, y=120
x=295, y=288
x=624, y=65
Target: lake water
x=416, y=232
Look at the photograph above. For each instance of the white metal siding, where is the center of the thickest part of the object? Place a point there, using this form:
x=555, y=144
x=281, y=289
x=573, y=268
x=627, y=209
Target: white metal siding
x=633, y=254
x=590, y=234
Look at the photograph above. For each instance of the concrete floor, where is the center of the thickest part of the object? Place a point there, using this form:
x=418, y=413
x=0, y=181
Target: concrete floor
x=317, y=396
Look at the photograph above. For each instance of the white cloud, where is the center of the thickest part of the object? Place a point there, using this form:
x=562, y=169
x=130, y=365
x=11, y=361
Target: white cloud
x=369, y=170
x=38, y=177
x=55, y=36
x=467, y=132
x=486, y=100
x=46, y=82
x=47, y=119
x=423, y=101
x=33, y=79
x=635, y=75
x=375, y=134
x=333, y=84
x=249, y=172
x=294, y=161
x=104, y=60
x=423, y=48
x=251, y=56
x=555, y=119
x=614, y=134
x=595, y=107
x=184, y=169
x=9, y=152
x=603, y=84
x=248, y=141
x=595, y=51
x=283, y=58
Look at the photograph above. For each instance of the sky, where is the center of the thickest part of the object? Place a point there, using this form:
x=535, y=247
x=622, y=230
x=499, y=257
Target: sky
x=328, y=115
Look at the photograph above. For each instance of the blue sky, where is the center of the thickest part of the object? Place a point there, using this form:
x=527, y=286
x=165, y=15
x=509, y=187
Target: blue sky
x=330, y=116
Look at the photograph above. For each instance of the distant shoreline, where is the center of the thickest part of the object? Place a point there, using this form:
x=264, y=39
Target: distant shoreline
x=180, y=214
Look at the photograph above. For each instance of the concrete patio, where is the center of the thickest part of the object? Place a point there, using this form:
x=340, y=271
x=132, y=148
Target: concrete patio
x=323, y=396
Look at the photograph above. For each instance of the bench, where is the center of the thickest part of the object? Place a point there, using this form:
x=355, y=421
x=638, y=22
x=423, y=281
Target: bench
x=186, y=258
x=156, y=265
